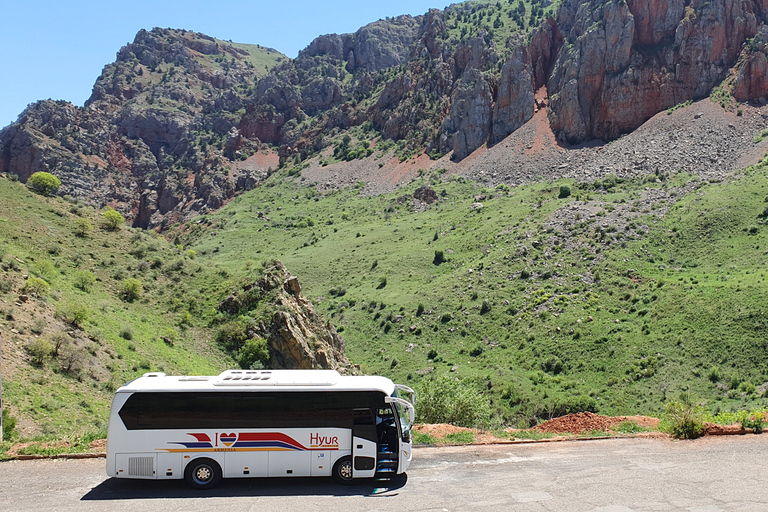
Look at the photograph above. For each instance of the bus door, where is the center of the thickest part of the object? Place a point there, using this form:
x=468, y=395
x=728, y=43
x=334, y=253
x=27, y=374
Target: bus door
x=364, y=444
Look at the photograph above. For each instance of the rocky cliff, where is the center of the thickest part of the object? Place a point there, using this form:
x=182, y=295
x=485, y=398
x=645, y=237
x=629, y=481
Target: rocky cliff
x=296, y=336
x=182, y=121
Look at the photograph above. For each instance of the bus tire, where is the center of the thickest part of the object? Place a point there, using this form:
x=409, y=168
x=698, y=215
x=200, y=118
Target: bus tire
x=342, y=471
x=202, y=473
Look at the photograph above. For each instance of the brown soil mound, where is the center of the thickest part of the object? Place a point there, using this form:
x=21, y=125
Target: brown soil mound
x=724, y=430
x=586, y=422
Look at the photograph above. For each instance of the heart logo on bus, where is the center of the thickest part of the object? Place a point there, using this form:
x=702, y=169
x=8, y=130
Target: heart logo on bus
x=228, y=439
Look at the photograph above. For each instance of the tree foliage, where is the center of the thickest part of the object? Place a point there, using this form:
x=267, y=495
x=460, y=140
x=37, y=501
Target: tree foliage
x=446, y=400
x=44, y=183
x=113, y=219
x=83, y=227
x=131, y=289
x=253, y=354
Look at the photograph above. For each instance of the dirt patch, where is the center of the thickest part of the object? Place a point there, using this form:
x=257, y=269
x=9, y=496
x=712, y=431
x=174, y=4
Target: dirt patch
x=587, y=422
x=53, y=445
x=725, y=430
x=571, y=424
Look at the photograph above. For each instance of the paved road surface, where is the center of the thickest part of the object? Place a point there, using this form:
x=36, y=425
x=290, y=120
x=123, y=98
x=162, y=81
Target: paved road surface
x=614, y=475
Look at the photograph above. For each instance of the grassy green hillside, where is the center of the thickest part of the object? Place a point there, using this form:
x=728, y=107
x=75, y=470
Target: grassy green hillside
x=550, y=298
x=610, y=299
x=75, y=325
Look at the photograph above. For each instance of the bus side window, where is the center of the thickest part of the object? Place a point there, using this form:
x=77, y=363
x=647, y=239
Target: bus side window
x=363, y=417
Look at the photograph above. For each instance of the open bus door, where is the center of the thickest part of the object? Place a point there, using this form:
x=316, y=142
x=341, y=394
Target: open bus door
x=364, y=444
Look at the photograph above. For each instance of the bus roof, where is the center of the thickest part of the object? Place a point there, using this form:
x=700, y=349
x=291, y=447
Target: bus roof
x=260, y=380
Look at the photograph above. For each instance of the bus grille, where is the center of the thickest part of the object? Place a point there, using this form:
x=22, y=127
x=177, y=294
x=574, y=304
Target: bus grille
x=141, y=466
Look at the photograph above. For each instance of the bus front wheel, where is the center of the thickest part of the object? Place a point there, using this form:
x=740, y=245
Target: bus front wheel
x=202, y=474
x=342, y=471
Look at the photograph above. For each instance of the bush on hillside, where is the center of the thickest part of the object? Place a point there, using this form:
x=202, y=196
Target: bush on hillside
x=44, y=183
x=447, y=400
x=36, y=286
x=131, y=289
x=253, y=354
x=112, y=218
x=83, y=280
x=83, y=227
x=683, y=418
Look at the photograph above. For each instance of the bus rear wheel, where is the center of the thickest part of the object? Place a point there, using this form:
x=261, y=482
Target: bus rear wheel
x=202, y=474
x=342, y=471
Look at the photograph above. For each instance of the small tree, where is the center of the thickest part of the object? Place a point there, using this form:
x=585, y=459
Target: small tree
x=131, y=289
x=253, y=354
x=44, y=183
x=83, y=227
x=84, y=280
x=113, y=219
x=36, y=286
x=40, y=349
x=72, y=359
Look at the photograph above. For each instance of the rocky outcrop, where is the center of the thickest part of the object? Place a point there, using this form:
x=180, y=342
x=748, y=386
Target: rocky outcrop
x=469, y=120
x=751, y=82
x=297, y=337
x=148, y=140
x=378, y=45
x=623, y=62
x=515, y=98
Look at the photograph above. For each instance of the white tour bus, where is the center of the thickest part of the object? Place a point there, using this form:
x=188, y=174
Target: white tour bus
x=252, y=423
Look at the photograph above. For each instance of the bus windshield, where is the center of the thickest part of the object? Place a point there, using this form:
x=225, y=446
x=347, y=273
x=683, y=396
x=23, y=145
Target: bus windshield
x=405, y=418
x=404, y=399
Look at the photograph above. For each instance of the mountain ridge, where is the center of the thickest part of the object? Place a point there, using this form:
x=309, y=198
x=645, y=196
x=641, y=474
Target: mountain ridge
x=171, y=126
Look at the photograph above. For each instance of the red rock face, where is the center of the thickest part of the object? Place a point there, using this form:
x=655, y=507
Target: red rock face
x=645, y=56
x=751, y=81
x=656, y=20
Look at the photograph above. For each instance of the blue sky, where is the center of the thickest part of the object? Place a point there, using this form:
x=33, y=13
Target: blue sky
x=57, y=48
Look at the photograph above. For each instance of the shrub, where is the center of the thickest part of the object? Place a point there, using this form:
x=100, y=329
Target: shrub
x=83, y=227
x=40, y=349
x=126, y=332
x=232, y=335
x=112, y=218
x=253, y=354
x=36, y=286
x=486, y=307
x=752, y=420
x=683, y=418
x=565, y=191
x=629, y=427
x=439, y=258
x=83, y=280
x=58, y=340
x=424, y=438
x=72, y=359
x=39, y=325
x=382, y=282
x=446, y=400
x=75, y=315
x=131, y=289
x=45, y=269
x=44, y=183
x=9, y=425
